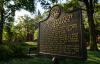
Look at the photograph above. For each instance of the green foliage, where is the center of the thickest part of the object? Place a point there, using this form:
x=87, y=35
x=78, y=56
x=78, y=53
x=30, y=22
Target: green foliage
x=36, y=34
x=9, y=7
x=5, y=52
x=71, y=5
x=25, y=26
x=26, y=4
x=8, y=51
x=18, y=51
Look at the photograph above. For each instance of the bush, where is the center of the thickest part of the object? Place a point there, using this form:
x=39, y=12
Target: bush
x=5, y=52
x=8, y=51
x=19, y=51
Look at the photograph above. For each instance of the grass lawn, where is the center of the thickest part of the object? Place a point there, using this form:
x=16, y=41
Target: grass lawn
x=93, y=58
x=31, y=43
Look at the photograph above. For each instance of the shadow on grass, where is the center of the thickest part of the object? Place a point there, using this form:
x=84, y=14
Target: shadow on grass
x=93, y=58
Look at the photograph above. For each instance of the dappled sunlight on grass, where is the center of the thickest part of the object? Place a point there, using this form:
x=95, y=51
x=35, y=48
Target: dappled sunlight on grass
x=94, y=54
x=31, y=43
x=93, y=57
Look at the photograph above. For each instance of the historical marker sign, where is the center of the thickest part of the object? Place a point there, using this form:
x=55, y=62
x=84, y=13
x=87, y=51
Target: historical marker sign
x=62, y=34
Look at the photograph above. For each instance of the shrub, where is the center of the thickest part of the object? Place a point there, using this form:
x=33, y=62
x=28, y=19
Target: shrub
x=5, y=52
x=19, y=51
x=8, y=51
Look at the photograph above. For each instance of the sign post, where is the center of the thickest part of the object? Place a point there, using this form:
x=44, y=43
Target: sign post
x=62, y=34
x=55, y=60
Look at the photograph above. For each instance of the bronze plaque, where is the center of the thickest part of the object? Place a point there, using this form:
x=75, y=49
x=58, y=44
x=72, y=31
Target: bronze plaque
x=62, y=34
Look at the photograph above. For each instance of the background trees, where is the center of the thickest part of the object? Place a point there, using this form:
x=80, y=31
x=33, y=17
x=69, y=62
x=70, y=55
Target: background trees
x=8, y=8
x=90, y=6
x=25, y=29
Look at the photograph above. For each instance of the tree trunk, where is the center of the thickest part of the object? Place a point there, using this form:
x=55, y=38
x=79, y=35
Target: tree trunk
x=9, y=25
x=90, y=12
x=93, y=43
x=1, y=25
x=9, y=33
